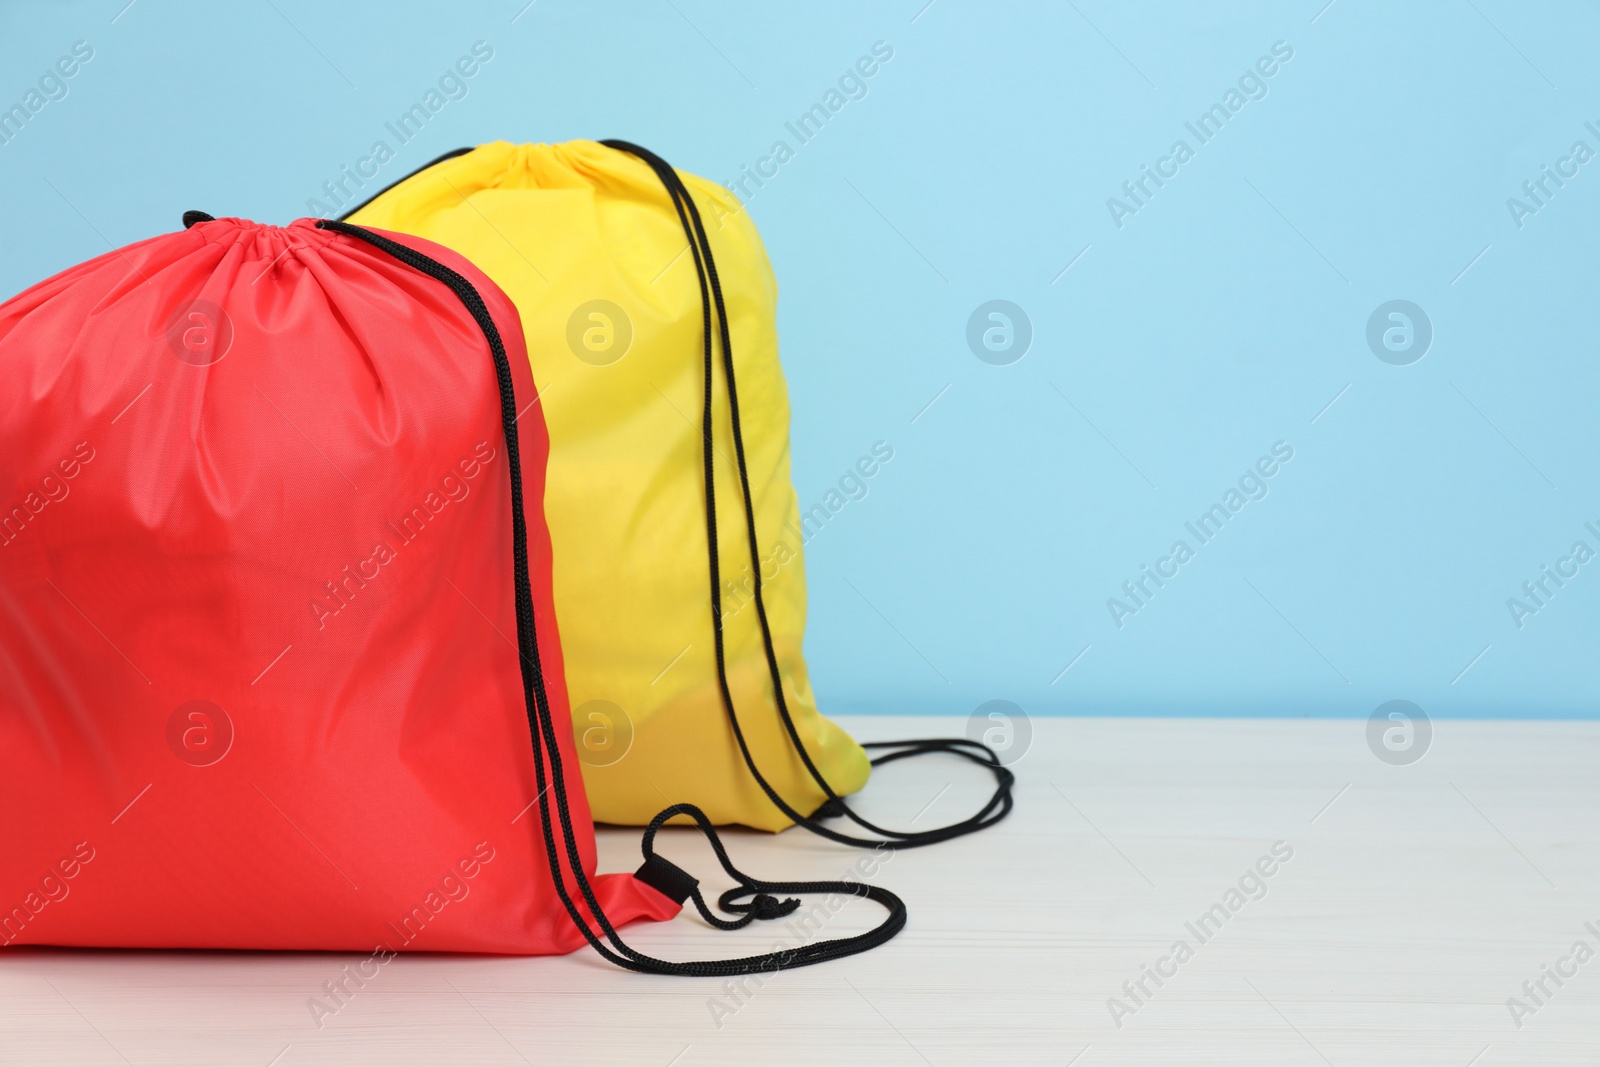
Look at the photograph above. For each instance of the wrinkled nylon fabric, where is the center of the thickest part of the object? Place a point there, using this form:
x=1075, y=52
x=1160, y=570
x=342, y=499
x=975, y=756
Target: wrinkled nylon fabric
x=586, y=242
x=258, y=680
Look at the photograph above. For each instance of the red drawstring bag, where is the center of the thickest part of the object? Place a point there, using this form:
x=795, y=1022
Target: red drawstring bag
x=278, y=660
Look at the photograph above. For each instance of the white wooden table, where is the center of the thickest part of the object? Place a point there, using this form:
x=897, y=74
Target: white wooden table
x=1417, y=902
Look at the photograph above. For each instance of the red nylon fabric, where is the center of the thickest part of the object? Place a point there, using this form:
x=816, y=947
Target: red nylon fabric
x=258, y=685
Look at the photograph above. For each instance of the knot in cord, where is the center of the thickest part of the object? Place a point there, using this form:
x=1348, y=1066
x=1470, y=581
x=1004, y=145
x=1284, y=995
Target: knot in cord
x=767, y=906
x=832, y=808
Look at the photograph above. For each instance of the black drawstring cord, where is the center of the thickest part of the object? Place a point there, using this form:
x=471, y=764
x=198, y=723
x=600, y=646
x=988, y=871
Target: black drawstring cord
x=1000, y=803
x=656, y=871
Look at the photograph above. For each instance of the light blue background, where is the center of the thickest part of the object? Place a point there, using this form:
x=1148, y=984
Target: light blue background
x=1222, y=318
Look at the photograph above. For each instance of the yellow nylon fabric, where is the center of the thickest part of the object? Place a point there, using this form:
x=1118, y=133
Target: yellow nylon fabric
x=559, y=228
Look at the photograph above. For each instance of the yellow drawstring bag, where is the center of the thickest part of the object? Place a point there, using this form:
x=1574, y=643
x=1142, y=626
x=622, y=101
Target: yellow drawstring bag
x=623, y=272
x=584, y=239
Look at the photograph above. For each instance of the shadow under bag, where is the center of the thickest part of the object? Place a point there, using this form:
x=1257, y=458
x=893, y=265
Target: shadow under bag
x=279, y=667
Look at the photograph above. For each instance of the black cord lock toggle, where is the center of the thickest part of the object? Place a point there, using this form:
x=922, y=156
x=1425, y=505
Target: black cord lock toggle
x=667, y=878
